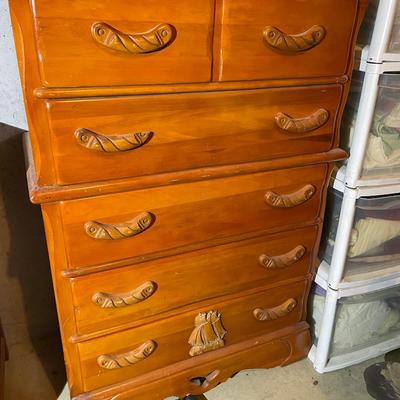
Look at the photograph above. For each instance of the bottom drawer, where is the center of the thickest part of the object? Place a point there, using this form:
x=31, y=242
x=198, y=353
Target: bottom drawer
x=198, y=376
x=121, y=356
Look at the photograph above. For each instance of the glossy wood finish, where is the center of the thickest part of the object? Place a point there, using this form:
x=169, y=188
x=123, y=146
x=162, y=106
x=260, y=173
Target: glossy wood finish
x=242, y=51
x=172, y=334
x=280, y=348
x=72, y=57
x=174, y=146
x=217, y=208
x=188, y=131
x=211, y=269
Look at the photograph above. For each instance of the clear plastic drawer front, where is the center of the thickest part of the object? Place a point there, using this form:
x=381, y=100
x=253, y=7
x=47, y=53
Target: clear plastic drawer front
x=361, y=321
x=374, y=245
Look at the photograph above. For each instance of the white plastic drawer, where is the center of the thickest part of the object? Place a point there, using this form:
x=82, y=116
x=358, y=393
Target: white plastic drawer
x=374, y=247
x=382, y=155
x=370, y=22
x=361, y=321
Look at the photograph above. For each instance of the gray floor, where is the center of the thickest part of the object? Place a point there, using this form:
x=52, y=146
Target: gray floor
x=296, y=382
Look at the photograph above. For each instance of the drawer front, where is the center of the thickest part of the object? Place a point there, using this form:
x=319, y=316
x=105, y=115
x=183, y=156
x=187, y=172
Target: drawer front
x=115, y=138
x=293, y=39
x=125, y=295
x=130, y=353
x=120, y=42
x=113, y=227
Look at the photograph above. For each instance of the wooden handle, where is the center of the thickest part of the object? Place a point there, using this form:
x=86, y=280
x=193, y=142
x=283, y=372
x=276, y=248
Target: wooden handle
x=204, y=381
x=111, y=143
x=98, y=230
x=291, y=199
x=281, y=41
x=153, y=40
x=270, y=314
x=115, y=361
x=111, y=300
x=284, y=260
x=302, y=125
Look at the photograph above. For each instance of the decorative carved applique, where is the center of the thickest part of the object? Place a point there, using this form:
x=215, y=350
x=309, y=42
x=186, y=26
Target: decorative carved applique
x=284, y=260
x=111, y=143
x=208, y=333
x=290, y=200
x=278, y=40
x=110, y=300
x=302, y=125
x=137, y=43
x=98, y=230
x=269, y=314
x=115, y=361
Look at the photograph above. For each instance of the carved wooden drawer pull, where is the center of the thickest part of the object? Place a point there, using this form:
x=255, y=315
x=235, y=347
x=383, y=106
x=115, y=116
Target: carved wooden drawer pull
x=115, y=361
x=284, y=260
x=111, y=143
x=302, y=125
x=98, y=230
x=270, y=314
x=290, y=200
x=110, y=300
x=281, y=41
x=136, y=43
x=208, y=333
x=204, y=381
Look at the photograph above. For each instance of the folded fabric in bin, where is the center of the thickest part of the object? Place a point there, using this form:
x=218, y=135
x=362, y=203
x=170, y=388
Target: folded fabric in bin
x=359, y=320
x=383, y=148
x=371, y=233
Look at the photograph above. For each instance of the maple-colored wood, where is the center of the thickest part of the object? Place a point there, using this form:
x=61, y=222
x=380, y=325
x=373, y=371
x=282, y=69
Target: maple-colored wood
x=246, y=50
x=211, y=269
x=209, y=129
x=174, y=146
x=70, y=56
x=46, y=194
x=217, y=208
x=129, y=90
x=279, y=348
x=172, y=335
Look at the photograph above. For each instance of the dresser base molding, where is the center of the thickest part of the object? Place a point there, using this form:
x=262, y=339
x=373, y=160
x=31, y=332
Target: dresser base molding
x=277, y=349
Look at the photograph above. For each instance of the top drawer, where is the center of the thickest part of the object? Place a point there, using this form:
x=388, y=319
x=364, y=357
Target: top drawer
x=285, y=39
x=97, y=43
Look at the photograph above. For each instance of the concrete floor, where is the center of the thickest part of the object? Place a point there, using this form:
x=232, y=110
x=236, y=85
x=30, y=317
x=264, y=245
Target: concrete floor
x=295, y=382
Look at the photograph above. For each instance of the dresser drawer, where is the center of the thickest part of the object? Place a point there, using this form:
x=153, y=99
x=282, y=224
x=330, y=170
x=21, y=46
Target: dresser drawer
x=124, y=355
x=120, y=42
x=266, y=47
x=126, y=295
x=103, y=139
x=114, y=227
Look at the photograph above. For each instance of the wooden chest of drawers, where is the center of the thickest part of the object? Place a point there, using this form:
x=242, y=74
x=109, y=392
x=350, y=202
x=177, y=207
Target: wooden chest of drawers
x=181, y=152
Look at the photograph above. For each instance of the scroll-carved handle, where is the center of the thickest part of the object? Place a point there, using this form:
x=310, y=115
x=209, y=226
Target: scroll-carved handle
x=281, y=41
x=111, y=143
x=291, y=199
x=115, y=361
x=98, y=230
x=270, y=314
x=111, y=300
x=301, y=125
x=137, y=43
x=284, y=260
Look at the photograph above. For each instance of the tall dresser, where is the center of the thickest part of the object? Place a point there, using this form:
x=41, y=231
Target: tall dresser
x=180, y=152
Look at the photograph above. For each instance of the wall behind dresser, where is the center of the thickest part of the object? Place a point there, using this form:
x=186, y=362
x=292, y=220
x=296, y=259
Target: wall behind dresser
x=27, y=307
x=11, y=104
